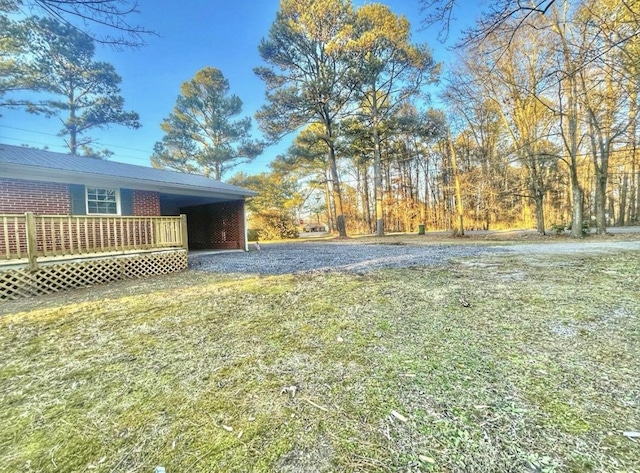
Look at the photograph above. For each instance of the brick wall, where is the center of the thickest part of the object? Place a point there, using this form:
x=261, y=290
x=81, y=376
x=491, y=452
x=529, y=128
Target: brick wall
x=45, y=198
x=146, y=203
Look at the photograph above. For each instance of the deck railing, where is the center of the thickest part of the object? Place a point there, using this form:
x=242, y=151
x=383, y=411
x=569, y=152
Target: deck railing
x=30, y=236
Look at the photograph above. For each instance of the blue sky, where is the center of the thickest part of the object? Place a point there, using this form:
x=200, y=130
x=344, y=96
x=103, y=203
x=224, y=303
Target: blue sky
x=192, y=34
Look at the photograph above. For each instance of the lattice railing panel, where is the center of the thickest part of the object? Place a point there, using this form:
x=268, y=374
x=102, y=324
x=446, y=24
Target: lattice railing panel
x=161, y=264
x=17, y=283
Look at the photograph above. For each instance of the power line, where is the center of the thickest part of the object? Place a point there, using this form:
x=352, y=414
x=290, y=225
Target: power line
x=31, y=141
x=48, y=145
x=29, y=131
x=257, y=160
x=51, y=134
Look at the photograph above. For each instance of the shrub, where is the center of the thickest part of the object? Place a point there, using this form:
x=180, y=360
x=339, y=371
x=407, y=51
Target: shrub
x=253, y=234
x=585, y=227
x=274, y=226
x=560, y=227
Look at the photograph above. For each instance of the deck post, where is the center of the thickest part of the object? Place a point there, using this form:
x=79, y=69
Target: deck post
x=32, y=240
x=185, y=232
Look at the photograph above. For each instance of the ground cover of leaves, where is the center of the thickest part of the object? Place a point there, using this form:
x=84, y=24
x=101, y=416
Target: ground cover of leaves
x=391, y=372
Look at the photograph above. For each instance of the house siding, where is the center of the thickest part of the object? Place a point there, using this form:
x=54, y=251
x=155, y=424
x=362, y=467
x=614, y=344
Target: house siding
x=146, y=203
x=19, y=196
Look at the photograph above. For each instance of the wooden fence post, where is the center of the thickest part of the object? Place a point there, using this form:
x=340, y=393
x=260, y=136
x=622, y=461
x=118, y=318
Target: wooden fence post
x=185, y=232
x=32, y=240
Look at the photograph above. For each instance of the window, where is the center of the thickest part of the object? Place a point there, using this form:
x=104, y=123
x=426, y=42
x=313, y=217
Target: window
x=103, y=201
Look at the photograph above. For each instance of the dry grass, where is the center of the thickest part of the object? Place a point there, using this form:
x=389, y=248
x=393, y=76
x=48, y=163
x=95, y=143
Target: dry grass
x=539, y=374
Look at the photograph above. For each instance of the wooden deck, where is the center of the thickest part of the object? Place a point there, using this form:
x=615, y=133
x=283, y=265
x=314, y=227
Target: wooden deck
x=48, y=253
x=33, y=237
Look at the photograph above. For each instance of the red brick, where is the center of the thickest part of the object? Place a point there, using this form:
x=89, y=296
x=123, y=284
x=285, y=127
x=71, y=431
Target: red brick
x=146, y=203
x=19, y=196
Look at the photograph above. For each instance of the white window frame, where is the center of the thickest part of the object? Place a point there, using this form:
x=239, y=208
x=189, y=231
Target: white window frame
x=116, y=192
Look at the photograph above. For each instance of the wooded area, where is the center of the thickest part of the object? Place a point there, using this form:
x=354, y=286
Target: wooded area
x=536, y=127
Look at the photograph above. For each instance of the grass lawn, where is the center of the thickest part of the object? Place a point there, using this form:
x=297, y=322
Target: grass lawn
x=541, y=373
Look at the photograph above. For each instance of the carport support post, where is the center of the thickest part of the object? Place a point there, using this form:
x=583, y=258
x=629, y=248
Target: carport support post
x=185, y=232
x=246, y=230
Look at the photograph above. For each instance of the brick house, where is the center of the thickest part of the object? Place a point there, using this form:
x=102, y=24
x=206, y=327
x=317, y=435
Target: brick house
x=48, y=183
x=84, y=205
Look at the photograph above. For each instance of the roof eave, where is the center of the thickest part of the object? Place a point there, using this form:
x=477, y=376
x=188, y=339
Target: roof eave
x=36, y=173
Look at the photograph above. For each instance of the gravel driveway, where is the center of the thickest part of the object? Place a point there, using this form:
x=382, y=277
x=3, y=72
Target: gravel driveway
x=304, y=257
x=310, y=257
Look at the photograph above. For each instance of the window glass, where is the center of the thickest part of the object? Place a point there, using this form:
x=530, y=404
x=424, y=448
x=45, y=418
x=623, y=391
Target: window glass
x=102, y=201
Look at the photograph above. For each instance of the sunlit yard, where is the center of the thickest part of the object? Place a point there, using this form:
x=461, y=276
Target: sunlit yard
x=194, y=372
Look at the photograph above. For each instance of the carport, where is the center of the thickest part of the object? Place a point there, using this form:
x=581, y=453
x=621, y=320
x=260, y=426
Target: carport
x=214, y=222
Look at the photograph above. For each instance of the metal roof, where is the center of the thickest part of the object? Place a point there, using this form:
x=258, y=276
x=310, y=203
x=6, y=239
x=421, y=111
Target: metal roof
x=35, y=164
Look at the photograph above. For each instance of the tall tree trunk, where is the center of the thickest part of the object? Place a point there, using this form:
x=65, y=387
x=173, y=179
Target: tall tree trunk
x=600, y=136
x=612, y=211
x=426, y=213
x=72, y=126
x=459, y=229
x=633, y=195
x=377, y=179
x=365, y=198
x=601, y=202
x=577, y=194
x=568, y=86
x=387, y=194
x=337, y=195
x=622, y=205
x=637, y=199
x=537, y=189
x=539, y=202
x=327, y=198
x=634, y=191
x=576, y=204
x=73, y=142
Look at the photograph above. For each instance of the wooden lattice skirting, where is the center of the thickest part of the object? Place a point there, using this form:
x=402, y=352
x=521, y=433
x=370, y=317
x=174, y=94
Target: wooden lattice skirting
x=17, y=283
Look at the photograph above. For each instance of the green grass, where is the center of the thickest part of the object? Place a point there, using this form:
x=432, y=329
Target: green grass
x=541, y=373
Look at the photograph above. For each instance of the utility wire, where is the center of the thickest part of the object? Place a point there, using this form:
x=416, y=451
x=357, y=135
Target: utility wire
x=99, y=143
x=63, y=147
x=51, y=134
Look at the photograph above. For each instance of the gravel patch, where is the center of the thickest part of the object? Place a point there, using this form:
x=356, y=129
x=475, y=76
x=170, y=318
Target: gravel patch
x=300, y=258
x=310, y=257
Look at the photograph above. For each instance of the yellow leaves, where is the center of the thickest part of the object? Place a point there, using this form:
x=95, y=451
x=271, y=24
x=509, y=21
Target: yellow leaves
x=376, y=22
x=334, y=27
x=322, y=20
